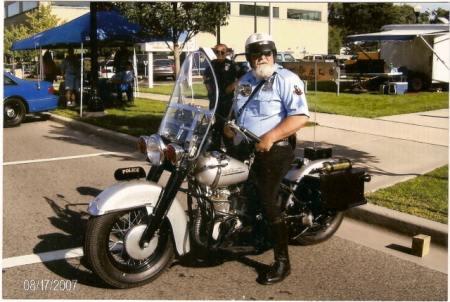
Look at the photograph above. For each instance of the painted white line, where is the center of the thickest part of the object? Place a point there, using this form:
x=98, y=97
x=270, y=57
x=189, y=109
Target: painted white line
x=43, y=257
x=57, y=158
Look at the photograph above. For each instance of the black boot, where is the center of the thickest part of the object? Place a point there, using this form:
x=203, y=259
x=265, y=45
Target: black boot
x=281, y=268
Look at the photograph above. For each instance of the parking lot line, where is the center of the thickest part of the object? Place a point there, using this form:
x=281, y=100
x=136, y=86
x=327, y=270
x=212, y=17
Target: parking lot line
x=56, y=158
x=42, y=257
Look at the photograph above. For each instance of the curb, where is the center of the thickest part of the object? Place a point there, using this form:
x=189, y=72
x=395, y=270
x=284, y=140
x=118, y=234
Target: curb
x=398, y=222
x=401, y=223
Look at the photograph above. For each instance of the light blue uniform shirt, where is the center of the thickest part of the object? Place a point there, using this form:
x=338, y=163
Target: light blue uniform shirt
x=281, y=96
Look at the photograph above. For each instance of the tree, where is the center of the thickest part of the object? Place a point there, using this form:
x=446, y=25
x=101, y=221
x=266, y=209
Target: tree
x=334, y=40
x=358, y=18
x=36, y=21
x=407, y=14
x=168, y=20
x=16, y=33
x=41, y=19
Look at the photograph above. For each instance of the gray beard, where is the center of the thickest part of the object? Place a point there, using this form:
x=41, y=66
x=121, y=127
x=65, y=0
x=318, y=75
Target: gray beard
x=263, y=71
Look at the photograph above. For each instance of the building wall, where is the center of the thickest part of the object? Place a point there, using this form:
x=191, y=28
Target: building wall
x=69, y=13
x=65, y=10
x=290, y=35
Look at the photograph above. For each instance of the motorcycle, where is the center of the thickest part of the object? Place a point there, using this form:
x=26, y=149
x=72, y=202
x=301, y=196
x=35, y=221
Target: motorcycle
x=137, y=226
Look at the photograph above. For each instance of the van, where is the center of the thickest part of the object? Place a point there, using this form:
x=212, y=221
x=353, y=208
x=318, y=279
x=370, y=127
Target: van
x=314, y=58
x=285, y=57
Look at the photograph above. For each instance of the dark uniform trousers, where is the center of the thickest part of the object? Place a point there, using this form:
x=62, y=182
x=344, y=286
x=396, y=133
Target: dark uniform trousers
x=267, y=171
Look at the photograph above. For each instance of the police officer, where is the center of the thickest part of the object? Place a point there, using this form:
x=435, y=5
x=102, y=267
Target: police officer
x=276, y=111
x=227, y=73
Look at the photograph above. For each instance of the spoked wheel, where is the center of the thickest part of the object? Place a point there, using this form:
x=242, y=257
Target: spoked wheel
x=13, y=112
x=321, y=231
x=112, y=249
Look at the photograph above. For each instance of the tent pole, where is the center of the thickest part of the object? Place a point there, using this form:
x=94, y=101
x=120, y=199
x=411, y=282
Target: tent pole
x=41, y=65
x=429, y=46
x=81, y=82
x=14, y=63
x=136, y=84
x=95, y=104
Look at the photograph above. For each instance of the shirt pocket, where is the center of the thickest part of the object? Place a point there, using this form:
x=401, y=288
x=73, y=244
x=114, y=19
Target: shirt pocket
x=267, y=105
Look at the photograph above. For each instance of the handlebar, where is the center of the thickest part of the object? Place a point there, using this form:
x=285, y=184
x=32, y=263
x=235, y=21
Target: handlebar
x=244, y=131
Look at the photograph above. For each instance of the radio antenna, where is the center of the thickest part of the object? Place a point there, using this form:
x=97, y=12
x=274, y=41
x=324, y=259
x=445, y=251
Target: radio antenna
x=315, y=104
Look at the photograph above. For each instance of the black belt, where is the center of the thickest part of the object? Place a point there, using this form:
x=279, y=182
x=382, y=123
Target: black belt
x=282, y=142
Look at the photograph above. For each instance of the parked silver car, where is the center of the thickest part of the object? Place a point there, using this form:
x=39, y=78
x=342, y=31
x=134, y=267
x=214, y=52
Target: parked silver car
x=163, y=68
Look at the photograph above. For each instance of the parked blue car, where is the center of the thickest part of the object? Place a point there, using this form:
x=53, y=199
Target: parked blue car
x=21, y=97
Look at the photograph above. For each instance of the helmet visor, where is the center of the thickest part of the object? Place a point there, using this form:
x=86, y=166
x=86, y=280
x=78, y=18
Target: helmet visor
x=260, y=47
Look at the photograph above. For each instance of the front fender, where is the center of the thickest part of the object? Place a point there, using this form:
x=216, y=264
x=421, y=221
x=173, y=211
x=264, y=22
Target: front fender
x=142, y=193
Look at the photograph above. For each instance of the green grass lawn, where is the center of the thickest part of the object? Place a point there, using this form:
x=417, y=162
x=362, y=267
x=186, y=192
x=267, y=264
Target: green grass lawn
x=375, y=105
x=425, y=196
x=141, y=119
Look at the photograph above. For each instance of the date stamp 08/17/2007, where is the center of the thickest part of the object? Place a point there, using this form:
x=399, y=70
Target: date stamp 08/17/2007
x=49, y=285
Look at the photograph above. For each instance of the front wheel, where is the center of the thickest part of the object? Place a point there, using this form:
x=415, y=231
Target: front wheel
x=112, y=249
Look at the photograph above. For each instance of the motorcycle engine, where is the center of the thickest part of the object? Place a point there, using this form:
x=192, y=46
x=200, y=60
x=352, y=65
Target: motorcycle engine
x=227, y=200
x=220, y=198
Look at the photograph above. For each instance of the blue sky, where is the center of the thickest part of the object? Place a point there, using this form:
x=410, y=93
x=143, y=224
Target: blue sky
x=426, y=5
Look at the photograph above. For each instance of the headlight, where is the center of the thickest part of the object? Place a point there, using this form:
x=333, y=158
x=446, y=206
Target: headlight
x=142, y=144
x=155, y=149
x=173, y=153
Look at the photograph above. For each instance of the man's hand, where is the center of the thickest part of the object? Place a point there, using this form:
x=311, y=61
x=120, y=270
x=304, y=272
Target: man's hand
x=230, y=88
x=265, y=144
x=228, y=131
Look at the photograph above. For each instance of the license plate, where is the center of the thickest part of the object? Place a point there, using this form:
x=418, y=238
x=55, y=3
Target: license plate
x=129, y=173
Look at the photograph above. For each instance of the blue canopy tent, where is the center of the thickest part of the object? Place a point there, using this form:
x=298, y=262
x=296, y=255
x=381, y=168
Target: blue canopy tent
x=112, y=29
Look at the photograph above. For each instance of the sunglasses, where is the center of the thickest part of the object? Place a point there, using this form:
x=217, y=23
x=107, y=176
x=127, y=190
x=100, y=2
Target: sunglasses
x=257, y=55
x=219, y=52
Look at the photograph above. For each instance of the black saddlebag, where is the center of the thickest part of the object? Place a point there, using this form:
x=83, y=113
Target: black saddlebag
x=336, y=191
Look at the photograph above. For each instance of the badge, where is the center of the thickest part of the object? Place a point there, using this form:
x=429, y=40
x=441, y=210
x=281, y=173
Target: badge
x=244, y=89
x=268, y=85
x=297, y=90
x=227, y=67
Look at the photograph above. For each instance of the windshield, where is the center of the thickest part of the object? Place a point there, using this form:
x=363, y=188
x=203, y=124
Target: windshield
x=191, y=107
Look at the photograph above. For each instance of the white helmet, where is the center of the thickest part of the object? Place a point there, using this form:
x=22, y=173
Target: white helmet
x=259, y=42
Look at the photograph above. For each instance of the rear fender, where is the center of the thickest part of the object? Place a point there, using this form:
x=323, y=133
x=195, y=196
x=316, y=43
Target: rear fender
x=295, y=174
x=141, y=193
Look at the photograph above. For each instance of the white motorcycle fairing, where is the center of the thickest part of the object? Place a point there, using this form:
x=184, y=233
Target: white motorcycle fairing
x=141, y=193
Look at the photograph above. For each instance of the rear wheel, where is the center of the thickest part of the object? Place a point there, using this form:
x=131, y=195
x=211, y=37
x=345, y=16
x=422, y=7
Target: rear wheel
x=13, y=112
x=113, y=252
x=418, y=82
x=322, y=230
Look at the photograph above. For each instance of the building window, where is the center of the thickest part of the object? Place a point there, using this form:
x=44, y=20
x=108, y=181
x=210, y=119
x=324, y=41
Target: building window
x=301, y=14
x=27, y=5
x=13, y=9
x=261, y=11
x=72, y=3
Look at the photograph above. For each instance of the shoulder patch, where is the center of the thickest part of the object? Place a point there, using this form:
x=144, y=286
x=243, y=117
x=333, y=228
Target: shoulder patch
x=297, y=90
